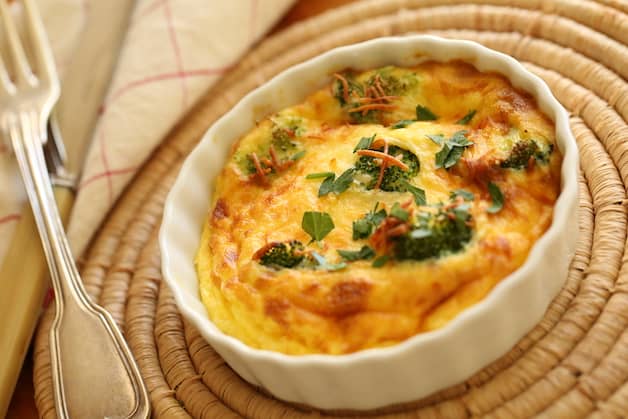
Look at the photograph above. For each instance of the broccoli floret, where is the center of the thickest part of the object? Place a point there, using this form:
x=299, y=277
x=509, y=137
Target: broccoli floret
x=354, y=87
x=363, y=227
x=395, y=179
x=349, y=92
x=282, y=137
x=245, y=163
x=283, y=133
x=372, y=116
x=283, y=255
x=435, y=234
x=393, y=85
x=523, y=151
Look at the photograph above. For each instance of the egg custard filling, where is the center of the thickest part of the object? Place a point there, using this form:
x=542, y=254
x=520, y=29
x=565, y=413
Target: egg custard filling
x=379, y=208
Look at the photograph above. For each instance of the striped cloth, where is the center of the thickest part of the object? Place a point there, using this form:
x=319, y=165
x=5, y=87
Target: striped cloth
x=173, y=52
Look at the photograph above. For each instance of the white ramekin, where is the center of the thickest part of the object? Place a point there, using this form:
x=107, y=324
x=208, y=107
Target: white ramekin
x=426, y=362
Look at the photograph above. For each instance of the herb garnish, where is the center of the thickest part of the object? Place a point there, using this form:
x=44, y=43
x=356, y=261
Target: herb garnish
x=363, y=227
x=324, y=265
x=297, y=155
x=466, y=195
x=364, y=143
x=317, y=224
x=402, y=124
x=380, y=261
x=398, y=212
x=320, y=175
x=417, y=193
x=452, y=150
x=435, y=234
x=438, y=139
x=497, y=197
x=424, y=114
x=467, y=118
x=331, y=184
x=365, y=253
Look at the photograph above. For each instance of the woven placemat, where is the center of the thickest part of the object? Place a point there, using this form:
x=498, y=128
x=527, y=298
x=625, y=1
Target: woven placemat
x=573, y=364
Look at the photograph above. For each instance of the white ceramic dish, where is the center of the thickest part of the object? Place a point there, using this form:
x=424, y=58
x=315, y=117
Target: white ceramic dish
x=426, y=362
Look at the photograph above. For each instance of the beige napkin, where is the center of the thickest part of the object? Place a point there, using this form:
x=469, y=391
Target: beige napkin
x=173, y=52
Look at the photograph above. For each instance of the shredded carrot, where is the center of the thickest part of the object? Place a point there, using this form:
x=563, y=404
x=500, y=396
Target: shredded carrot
x=382, y=168
x=273, y=156
x=370, y=106
x=385, y=157
x=369, y=99
x=371, y=92
x=378, y=143
x=345, y=87
x=378, y=85
x=259, y=171
x=531, y=162
x=389, y=227
x=398, y=230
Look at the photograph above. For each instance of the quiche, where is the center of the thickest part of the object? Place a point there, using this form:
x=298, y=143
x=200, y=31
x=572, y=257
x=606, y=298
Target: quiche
x=380, y=207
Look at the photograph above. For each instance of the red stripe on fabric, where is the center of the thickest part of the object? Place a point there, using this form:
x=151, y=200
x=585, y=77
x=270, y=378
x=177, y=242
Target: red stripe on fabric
x=105, y=163
x=10, y=217
x=108, y=173
x=177, y=53
x=161, y=77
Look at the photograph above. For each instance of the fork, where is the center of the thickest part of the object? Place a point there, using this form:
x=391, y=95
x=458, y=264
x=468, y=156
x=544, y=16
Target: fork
x=93, y=371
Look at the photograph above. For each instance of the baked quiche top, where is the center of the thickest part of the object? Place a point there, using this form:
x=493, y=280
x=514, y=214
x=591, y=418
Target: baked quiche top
x=379, y=208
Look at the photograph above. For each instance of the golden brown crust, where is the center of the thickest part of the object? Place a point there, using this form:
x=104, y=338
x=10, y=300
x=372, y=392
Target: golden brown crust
x=310, y=310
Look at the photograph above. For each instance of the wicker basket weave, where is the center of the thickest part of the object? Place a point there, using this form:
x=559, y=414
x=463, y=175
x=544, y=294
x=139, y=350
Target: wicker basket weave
x=573, y=364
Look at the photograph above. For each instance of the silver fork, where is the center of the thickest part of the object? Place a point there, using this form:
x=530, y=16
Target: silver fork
x=94, y=374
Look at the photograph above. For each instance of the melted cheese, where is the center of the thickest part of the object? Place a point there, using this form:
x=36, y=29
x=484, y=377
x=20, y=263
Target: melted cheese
x=298, y=311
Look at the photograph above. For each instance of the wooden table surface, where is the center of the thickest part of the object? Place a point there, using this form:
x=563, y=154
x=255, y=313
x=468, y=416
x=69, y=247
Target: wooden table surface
x=23, y=404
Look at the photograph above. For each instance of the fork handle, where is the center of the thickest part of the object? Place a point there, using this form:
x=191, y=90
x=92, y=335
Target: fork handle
x=93, y=371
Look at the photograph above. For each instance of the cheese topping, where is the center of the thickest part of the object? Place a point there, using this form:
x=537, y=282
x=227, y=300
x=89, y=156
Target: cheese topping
x=380, y=207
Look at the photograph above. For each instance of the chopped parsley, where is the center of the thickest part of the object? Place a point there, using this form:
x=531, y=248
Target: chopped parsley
x=331, y=184
x=364, y=143
x=380, y=261
x=452, y=150
x=467, y=118
x=402, y=124
x=465, y=194
x=425, y=114
x=398, y=212
x=320, y=175
x=497, y=197
x=364, y=227
x=322, y=263
x=365, y=253
x=437, y=139
x=417, y=193
x=317, y=224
